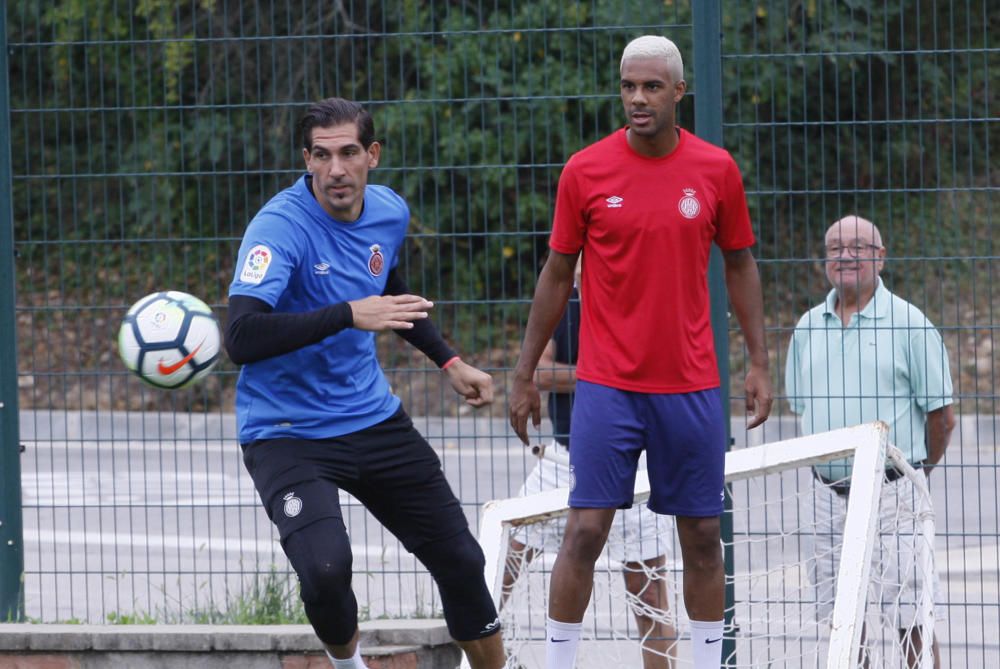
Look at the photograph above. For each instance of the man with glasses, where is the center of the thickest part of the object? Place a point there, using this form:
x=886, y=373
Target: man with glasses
x=862, y=355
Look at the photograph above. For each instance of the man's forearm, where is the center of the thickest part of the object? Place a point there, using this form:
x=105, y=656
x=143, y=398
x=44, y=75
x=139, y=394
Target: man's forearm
x=556, y=377
x=940, y=424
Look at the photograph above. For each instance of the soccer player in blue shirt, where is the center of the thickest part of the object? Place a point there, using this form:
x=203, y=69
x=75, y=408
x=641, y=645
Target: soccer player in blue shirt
x=315, y=280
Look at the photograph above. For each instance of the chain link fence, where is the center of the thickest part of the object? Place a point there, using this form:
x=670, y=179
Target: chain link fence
x=145, y=134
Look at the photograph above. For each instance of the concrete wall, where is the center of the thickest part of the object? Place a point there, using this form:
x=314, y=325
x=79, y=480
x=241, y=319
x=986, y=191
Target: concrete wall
x=385, y=644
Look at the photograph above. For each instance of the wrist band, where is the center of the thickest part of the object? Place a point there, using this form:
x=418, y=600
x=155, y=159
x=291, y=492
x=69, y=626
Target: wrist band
x=451, y=361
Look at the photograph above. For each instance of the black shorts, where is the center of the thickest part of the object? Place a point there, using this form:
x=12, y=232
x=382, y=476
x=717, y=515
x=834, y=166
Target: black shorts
x=389, y=467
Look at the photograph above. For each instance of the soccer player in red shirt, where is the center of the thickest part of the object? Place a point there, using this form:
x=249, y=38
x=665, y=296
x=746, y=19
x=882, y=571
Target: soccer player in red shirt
x=644, y=205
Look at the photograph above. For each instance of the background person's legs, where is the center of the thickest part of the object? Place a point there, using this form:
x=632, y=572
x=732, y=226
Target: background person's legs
x=646, y=538
x=513, y=566
x=646, y=582
x=913, y=645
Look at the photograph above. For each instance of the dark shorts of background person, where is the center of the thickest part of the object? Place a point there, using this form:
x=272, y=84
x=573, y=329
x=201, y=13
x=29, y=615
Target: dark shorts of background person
x=392, y=470
x=683, y=435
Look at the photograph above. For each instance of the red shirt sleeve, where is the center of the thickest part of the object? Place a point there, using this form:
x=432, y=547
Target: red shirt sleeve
x=733, y=230
x=568, y=224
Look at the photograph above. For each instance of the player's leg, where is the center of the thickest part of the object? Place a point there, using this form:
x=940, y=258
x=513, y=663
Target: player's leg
x=305, y=508
x=572, y=581
x=686, y=451
x=644, y=563
x=521, y=557
x=913, y=644
x=573, y=571
x=606, y=440
x=402, y=485
x=456, y=564
x=704, y=580
x=321, y=556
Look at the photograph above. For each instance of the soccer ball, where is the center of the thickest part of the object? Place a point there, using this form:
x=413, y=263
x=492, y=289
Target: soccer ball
x=169, y=339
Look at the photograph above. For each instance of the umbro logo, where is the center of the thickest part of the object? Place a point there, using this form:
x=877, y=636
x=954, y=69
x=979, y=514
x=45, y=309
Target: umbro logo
x=614, y=202
x=321, y=268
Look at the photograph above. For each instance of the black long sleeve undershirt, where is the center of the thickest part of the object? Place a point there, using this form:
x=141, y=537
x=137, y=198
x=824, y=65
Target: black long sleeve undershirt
x=255, y=332
x=424, y=335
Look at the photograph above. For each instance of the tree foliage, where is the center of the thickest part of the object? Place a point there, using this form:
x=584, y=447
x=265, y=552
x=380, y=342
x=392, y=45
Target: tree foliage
x=146, y=133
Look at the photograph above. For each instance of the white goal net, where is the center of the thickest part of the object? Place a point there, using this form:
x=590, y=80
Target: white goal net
x=815, y=577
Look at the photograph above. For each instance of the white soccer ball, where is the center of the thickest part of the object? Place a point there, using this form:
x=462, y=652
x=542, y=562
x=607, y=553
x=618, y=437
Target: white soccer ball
x=169, y=339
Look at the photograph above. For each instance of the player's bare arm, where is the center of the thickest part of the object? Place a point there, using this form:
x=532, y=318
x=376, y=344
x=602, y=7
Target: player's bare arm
x=940, y=423
x=743, y=284
x=555, y=284
x=475, y=385
x=389, y=312
x=552, y=376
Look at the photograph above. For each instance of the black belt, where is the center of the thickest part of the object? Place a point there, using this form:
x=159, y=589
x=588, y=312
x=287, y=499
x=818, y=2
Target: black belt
x=843, y=487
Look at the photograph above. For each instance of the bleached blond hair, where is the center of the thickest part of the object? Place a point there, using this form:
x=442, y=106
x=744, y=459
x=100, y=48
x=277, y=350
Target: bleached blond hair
x=655, y=46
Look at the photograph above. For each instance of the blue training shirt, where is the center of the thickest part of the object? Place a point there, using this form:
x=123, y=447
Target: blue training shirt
x=297, y=258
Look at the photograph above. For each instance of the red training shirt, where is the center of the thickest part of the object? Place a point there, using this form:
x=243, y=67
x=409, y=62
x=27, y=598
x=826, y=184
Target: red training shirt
x=646, y=226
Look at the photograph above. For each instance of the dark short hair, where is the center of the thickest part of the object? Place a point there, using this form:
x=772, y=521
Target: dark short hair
x=335, y=111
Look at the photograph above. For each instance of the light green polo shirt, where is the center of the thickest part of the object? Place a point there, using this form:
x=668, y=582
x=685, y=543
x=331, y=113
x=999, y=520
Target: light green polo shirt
x=888, y=364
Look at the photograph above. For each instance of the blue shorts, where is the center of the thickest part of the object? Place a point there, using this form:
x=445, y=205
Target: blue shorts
x=684, y=437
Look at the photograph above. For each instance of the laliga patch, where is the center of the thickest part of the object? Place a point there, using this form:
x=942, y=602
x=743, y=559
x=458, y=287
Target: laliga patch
x=256, y=264
x=376, y=262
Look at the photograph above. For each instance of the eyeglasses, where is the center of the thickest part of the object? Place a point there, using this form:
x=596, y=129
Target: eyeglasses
x=853, y=250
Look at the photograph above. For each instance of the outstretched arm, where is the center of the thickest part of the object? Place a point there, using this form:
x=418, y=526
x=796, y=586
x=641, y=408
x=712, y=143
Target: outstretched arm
x=256, y=332
x=743, y=284
x=555, y=284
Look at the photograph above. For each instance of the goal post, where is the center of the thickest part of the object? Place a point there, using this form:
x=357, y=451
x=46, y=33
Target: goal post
x=775, y=616
x=859, y=530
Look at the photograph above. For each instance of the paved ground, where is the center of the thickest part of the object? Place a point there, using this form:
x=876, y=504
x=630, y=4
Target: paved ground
x=128, y=513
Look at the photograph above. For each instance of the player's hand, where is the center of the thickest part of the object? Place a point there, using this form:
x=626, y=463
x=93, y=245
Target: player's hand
x=475, y=385
x=389, y=312
x=759, y=395
x=524, y=401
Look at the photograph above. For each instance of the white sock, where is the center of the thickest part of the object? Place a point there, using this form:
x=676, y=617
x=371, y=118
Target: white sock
x=351, y=663
x=706, y=644
x=561, y=643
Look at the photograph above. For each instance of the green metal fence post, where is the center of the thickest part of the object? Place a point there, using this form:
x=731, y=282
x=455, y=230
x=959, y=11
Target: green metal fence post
x=708, y=125
x=11, y=534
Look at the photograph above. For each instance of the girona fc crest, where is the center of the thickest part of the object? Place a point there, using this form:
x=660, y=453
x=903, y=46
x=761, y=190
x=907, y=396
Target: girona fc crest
x=293, y=505
x=376, y=262
x=689, y=205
